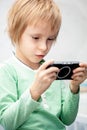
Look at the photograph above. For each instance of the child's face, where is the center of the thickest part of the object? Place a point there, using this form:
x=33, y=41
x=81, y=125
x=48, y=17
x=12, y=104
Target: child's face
x=35, y=43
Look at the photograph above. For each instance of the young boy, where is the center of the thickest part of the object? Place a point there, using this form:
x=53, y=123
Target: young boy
x=30, y=97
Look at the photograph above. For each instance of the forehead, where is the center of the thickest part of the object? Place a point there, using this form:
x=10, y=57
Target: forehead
x=42, y=26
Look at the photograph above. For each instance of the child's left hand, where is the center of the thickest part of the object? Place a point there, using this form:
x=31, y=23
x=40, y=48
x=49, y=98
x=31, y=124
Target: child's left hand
x=79, y=76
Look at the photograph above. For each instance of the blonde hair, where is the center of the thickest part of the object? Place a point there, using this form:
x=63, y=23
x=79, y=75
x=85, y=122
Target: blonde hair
x=28, y=12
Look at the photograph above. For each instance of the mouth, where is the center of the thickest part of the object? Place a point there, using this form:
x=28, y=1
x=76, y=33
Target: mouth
x=40, y=56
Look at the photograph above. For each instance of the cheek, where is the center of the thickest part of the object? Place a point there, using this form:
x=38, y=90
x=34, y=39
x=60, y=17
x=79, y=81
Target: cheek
x=27, y=45
x=26, y=42
x=49, y=46
x=25, y=48
x=29, y=48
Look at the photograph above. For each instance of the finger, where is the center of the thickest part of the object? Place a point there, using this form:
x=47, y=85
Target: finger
x=53, y=75
x=52, y=69
x=85, y=72
x=79, y=69
x=79, y=76
x=83, y=65
x=46, y=64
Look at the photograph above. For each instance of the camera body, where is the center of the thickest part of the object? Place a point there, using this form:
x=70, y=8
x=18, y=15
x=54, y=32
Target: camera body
x=66, y=69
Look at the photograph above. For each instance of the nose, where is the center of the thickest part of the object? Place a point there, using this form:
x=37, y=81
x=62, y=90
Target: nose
x=43, y=46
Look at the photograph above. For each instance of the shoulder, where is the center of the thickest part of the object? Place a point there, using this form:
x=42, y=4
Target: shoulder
x=7, y=68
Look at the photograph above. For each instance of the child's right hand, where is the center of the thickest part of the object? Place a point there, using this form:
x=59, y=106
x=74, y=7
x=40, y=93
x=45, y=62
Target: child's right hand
x=44, y=77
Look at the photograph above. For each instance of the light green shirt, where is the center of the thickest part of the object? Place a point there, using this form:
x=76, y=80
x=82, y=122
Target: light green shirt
x=57, y=107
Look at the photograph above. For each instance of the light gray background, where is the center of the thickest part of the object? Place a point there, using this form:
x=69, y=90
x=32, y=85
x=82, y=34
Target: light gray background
x=72, y=40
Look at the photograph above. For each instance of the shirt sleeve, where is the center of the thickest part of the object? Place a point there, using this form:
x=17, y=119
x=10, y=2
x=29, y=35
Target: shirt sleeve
x=14, y=111
x=70, y=105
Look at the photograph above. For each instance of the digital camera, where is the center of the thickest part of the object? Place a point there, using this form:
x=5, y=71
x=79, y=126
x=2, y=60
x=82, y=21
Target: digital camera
x=66, y=69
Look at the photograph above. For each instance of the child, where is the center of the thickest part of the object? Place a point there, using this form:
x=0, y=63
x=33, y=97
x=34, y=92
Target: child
x=30, y=97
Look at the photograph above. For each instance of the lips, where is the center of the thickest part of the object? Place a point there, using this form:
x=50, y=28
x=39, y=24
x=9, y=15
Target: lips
x=40, y=56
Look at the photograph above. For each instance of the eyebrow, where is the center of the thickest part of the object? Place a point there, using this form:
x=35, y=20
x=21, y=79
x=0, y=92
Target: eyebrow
x=38, y=34
x=53, y=35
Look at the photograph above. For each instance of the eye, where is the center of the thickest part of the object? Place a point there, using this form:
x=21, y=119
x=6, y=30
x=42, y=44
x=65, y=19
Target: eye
x=36, y=38
x=51, y=39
